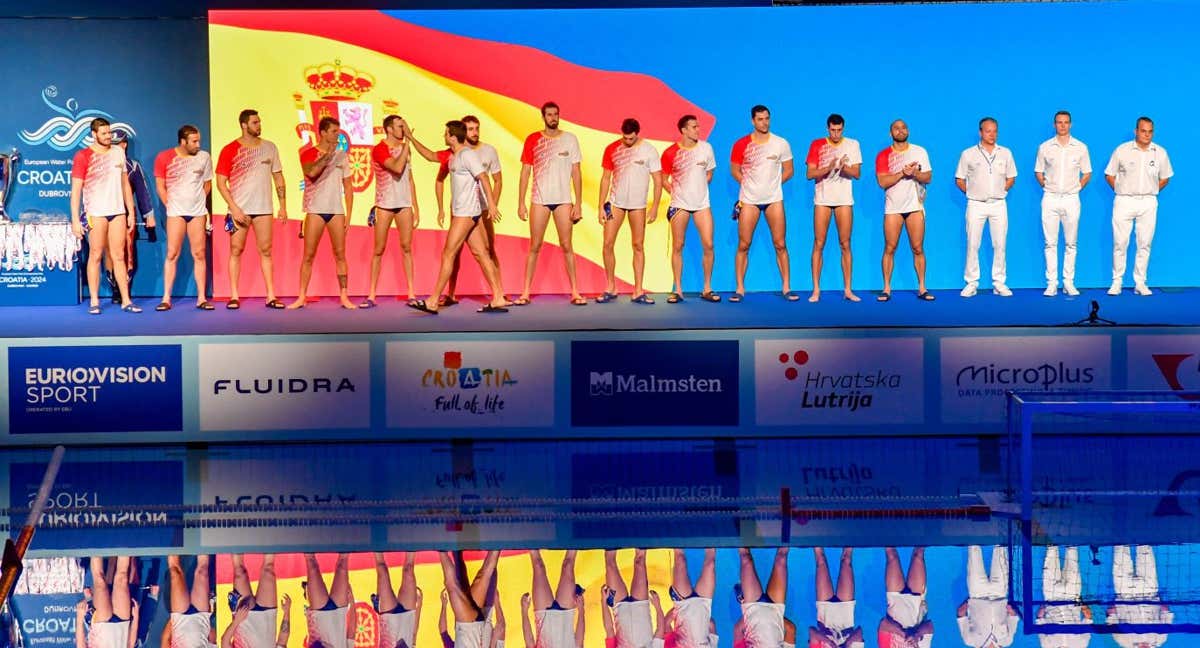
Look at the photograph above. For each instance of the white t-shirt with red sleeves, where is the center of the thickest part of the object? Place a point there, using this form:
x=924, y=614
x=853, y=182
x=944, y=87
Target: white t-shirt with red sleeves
x=184, y=176
x=689, y=169
x=762, y=168
x=552, y=159
x=631, y=168
x=103, y=193
x=491, y=163
x=249, y=169
x=392, y=190
x=464, y=168
x=835, y=189
x=323, y=194
x=907, y=195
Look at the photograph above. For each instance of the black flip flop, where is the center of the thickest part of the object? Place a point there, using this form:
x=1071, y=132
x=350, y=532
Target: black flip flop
x=276, y=304
x=492, y=309
x=233, y=304
x=422, y=306
x=926, y=296
x=882, y=297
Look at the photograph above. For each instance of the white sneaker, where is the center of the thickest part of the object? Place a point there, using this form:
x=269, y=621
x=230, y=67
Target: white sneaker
x=1070, y=289
x=1002, y=290
x=968, y=291
x=1114, y=289
x=1050, y=291
x=1142, y=290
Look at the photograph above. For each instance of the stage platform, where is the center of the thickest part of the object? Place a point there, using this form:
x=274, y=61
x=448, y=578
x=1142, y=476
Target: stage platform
x=1026, y=308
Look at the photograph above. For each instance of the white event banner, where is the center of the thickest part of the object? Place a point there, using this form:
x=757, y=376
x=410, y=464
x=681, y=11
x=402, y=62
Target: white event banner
x=828, y=381
x=285, y=386
x=978, y=372
x=465, y=384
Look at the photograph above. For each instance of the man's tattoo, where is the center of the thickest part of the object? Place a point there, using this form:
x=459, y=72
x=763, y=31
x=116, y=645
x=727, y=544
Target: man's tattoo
x=342, y=281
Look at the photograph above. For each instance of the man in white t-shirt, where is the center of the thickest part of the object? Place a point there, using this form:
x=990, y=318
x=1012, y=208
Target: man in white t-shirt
x=761, y=162
x=629, y=164
x=395, y=202
x=691, y=618
x=1137, y=172
x=100, y=190
x=1063, y=589
x=183, y=176
x=1063, y=168
x=835, y=606
x=114, y=616
x=905, y=625
x=399, y=610
x=328, y=204
x=985, y=173
x=763, y=624
x=903, y=171
x=687, y=168
x=557, y=613
x=834, y=162
x=471, y=600
x=551, y=158
x=470, y=193
x=630, y=604
x=190, y=625
x=329, y=607
x=255, y=610
x=246, y=170
x=986, y=619
x=491, y=163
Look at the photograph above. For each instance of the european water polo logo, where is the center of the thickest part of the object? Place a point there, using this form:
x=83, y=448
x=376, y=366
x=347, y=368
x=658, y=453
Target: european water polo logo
x=70, y=126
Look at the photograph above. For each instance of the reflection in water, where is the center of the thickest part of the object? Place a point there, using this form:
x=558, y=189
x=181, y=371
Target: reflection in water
x=657, y=598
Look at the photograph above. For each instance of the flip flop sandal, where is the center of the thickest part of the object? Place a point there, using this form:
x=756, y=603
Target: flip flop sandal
x=675, y=298
x=276, y=304
x=163, y=306
x=205, y=306
x=233, y=304
x=737, y=297
x=422, y=306
x=882, y=297
x=642, y=299
x=710, y=297
x=492, y=309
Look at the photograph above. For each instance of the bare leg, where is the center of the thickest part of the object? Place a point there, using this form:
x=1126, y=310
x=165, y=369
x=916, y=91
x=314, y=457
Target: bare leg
x=680, y=580
x=315, y=589
x=101, y=594
x=824, y=582
x=777, y=584
x=478, y=243
x=198, y=243
x=267, y=595
x=542, y=595
x=381, y=230
x=97, y=248
x=565, y=592
x=747, y=221
x=407, y=596
x=893, y=574
x=180, y=596
x=116, y=248
x=752, y=589
x=384, y=595
x=483, y=588
x=176, y=230
x=263, y=234
x=612, y=576
x=916, y=571
x=237, y=245
x=241, y=578
x=339, y=589
x=337, y=242
x=612, y=228
x=678, y=235
x=565, y=228
x=314, y=226
x=637, y=238
x=706, y=585
x=845, y=582
x=704, y=227
x=457, y=590
x=916, y=239
x=777, y=221
x=821, y=218
x=539, y=218
x=844, y=216
x=639, y=587
x=201, y=593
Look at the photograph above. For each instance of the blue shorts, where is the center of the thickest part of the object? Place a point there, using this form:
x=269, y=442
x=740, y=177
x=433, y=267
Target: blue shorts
x=326, y=217
x=554, y=206
x=186, y=219
x=329, y=605
x=399, y=609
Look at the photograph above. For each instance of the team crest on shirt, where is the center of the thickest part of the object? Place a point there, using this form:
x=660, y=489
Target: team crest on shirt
x=773, y=158
x=564, y=153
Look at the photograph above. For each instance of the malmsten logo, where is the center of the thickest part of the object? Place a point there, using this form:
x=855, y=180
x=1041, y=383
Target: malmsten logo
x=283, y=385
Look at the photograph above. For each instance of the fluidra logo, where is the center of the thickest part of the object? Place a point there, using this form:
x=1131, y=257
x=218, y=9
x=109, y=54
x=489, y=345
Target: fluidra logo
x=996, y=379
x=607, y=383
x=283, y=385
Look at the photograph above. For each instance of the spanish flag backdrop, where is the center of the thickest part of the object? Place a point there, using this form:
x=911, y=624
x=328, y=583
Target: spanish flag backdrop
x=295, y=67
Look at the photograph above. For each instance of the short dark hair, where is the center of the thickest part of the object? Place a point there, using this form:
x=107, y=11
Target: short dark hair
x=630, y=126
x=683, y=121
x=185, y=131
x=389, y=120
x=326, y=122
x=469, y=119
x=757, y=109
x=548, y=105
x=245, y=115
x=835, y=120
x=98, y=123
x=457, y=129
x=986, y=120
x=1143, y=118
x=1065, y=113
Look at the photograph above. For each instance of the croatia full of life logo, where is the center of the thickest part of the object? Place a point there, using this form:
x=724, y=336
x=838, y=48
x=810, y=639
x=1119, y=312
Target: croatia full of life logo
x=838, y=381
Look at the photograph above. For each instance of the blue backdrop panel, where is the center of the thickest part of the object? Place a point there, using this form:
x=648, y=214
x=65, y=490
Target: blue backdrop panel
x=151, y=76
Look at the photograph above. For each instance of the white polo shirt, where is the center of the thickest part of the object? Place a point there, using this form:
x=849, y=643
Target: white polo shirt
x=986, y=173
x=1062, y=165
x=1138, y=172
x=835, y=189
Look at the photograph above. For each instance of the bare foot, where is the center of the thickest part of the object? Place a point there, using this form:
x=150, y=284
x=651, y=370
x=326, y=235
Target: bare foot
x=851, y=296
x=815, y=297
x=347, y=304
x=299, y=303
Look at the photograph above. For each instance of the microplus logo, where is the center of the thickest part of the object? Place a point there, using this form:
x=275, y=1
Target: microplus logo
x=604, y=384
x=1046, y=376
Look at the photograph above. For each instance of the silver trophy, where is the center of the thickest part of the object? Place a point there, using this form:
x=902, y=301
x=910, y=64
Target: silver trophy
x=7, y=161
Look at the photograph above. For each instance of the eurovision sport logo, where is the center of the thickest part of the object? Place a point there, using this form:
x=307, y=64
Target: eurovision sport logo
x=978, y=372
x=465, y=384
x=839, y=381
x=285, y=386
x=654, y=383
x=132, y=388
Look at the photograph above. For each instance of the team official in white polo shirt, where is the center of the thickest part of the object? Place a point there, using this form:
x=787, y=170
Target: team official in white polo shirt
x=985, y=173
x=1137, y=171
x=1063, y=168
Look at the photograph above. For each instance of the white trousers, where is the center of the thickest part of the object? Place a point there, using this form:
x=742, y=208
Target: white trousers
x=1059, y=209
x=1138, y=214
x=1135, y=583
x=1061, y=581
x=981, y=585
x=995, y=214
